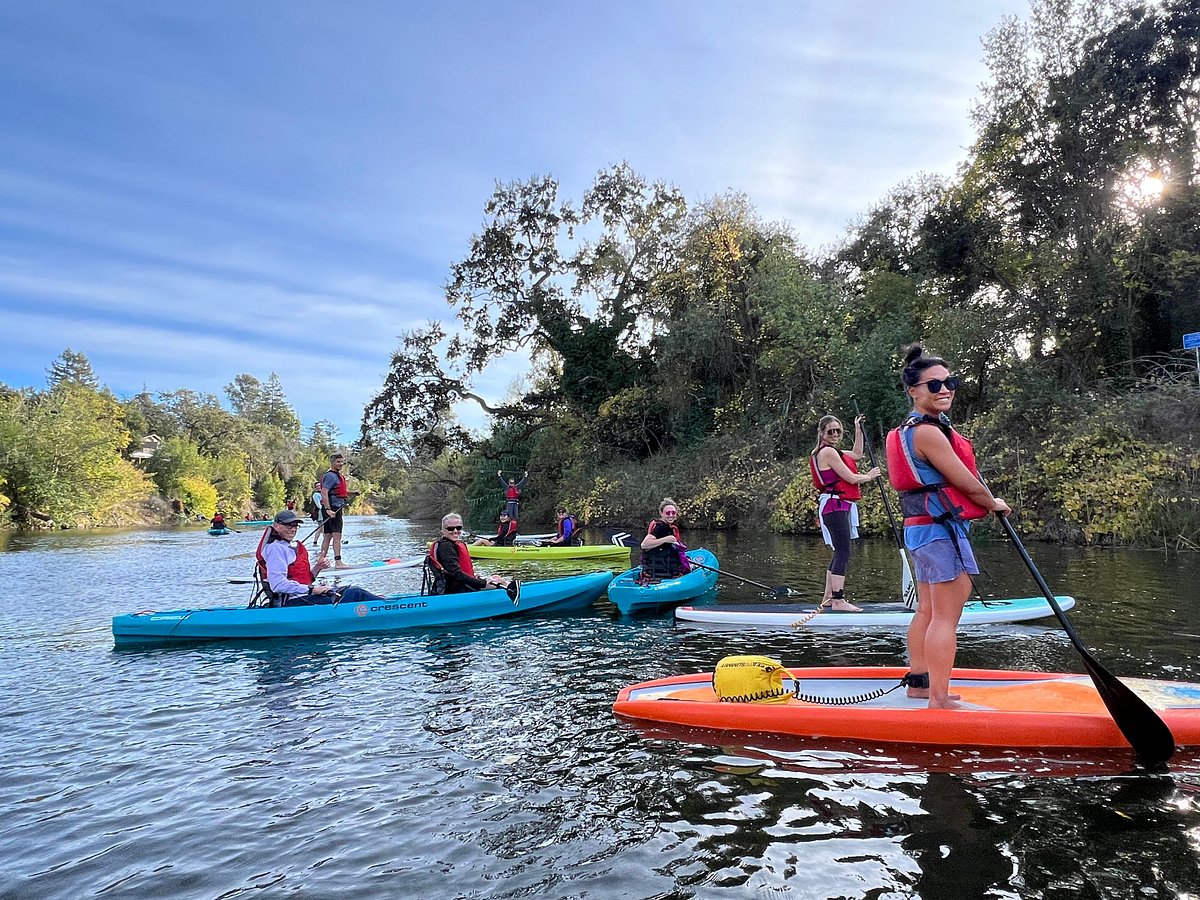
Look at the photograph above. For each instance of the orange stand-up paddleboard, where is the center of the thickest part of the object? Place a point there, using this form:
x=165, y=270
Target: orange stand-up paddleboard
x=999, y=708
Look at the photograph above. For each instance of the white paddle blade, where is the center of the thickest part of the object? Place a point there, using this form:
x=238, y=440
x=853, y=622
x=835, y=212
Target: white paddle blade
x=908, y=587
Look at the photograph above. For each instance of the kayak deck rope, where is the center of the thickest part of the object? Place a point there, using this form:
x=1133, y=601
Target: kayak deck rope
x=847, y=701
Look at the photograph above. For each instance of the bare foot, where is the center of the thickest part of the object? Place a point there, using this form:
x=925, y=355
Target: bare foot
x=844, y=606
x=948, y=703
x=923, y=694
x=342, y=565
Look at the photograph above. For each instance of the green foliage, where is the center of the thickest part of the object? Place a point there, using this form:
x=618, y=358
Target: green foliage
x=269, y=493
x=176, y=458
x=71, y=368
x=62, y=459
x=632, y=423
x=198, y=495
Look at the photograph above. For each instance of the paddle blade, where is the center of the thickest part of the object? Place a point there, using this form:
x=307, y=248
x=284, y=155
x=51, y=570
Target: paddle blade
x=1145, y=730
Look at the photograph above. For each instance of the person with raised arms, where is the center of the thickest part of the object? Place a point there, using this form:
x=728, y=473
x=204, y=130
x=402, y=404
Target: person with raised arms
x=284, y=565
x=933, y=468
x=449, y=557
x=836, y=477
x=512, y=492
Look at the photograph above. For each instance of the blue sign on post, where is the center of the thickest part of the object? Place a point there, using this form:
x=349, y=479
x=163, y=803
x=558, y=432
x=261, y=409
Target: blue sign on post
x=1191, y=341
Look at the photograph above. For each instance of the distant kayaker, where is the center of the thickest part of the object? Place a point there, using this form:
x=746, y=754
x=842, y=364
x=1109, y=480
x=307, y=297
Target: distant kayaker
x=291, y=504
x=334, y=496
x=512, y=492
x=933, y=468
x=283, y=561
x=218, y=521
x=566, y=528
x=506, y=532
x=450, y=557
x=836, y=477
x=663, y=550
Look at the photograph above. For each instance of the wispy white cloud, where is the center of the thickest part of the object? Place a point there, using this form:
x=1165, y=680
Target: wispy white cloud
x=192, y=191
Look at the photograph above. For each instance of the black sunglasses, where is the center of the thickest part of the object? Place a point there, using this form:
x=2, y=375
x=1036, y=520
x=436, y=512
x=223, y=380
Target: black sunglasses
x=935, y=384
x=454, y=528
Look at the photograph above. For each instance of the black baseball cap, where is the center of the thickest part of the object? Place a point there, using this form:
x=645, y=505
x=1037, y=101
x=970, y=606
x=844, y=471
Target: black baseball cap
x=286, y=517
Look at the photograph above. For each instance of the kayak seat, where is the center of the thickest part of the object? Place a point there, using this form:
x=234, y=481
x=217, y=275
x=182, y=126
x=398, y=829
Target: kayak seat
x=433, y=579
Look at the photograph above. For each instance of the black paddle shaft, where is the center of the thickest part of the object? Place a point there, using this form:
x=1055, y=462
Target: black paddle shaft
x=781, y=591
x=1146, y=732
x=879, y=483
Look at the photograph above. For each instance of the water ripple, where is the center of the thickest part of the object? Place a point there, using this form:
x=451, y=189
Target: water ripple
x=484, y=761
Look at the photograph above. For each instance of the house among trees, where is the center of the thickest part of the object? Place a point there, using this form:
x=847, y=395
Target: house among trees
x=150, y=444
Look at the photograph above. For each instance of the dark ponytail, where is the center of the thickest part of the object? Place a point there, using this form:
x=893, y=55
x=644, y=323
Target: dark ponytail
x=916, y=362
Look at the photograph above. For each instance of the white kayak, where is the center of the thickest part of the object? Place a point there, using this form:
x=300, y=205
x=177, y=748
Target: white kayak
x=887, y=615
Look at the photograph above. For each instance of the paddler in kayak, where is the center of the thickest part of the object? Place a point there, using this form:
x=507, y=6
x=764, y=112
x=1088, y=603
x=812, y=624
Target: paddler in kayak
x=283, y=563
x=506, y=532
x=449, y=556
x=933, y=468
x=664, y=555
x=836, y=477
x=218, y=521
x=566, y=529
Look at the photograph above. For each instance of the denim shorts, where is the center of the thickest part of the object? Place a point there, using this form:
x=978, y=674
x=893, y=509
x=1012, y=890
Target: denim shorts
x=937, y=561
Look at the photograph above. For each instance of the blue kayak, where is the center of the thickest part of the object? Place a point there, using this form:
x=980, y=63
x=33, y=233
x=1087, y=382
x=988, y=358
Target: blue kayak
x=629, y=596
x=395, y=611
x=215, y=531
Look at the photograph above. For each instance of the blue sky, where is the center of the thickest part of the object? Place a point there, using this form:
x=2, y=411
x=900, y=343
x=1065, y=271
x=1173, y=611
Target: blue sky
x=193, y=190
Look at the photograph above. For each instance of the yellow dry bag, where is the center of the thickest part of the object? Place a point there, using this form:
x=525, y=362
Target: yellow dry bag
x=750, y=679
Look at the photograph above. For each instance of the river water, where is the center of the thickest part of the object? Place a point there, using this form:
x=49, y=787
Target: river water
x=484, y=760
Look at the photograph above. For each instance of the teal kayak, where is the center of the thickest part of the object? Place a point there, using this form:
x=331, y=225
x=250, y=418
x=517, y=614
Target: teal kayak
x=629, y=596
x=393, y=612
x=256, y=522
x=218, y=531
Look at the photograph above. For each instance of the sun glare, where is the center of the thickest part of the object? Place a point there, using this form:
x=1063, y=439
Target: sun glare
x=1151, y=186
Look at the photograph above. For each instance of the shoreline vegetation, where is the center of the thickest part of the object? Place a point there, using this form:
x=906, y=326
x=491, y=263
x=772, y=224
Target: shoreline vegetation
x=689, y=348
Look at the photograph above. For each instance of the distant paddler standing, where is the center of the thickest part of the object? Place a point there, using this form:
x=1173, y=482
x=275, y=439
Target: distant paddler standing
x=334, y=497
x=836, y=477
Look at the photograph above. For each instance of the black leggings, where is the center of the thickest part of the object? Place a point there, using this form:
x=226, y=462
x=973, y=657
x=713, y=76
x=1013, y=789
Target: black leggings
x=838, y=524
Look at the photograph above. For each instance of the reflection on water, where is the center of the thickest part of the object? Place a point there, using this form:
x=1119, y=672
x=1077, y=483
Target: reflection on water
x=484, y=761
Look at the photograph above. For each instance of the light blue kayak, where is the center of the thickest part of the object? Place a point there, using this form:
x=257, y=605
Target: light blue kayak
x=629, y=596
x=393, y=612
x=216, y=531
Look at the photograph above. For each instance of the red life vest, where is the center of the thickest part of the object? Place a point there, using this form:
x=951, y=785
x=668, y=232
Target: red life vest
x=299, y=570
x=512, y=492
x=503, y=531
x=563, y=521
x=339, y=491
x=464, y=558
x=914, y=493
x=843, y=490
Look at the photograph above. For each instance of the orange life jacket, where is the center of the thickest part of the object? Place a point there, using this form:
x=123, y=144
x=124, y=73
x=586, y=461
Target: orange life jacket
x=843, y=490
x=915, y=493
